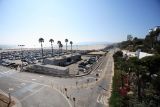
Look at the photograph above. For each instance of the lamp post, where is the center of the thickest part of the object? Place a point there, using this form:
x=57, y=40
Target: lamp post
x=21, y=56
x=65, y=89
x=74, y=99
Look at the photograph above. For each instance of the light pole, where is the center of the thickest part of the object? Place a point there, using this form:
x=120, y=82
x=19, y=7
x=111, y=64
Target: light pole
x=65, y=89
x=21, y=56
x=74, y=99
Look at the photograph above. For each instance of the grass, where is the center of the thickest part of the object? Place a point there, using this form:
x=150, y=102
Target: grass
x=116, y=99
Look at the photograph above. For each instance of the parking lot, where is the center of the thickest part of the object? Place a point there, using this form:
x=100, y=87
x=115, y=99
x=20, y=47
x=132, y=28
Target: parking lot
x=81, y=66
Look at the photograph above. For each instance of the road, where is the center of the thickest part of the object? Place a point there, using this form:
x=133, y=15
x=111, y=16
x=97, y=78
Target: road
x=36, y=90
x=30, y=93
x=96, y=94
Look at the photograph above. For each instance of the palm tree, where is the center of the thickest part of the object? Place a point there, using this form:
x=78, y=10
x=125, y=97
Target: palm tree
x=59, y=43
x=41, y=40
x=71, y=46
x=66, y=40
x=51, y=40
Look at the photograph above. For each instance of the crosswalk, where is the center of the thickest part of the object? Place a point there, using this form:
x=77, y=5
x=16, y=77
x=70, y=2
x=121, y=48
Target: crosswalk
x=102, y=99
x=7, y=73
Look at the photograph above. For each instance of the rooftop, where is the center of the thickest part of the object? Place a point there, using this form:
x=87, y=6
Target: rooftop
x=52, y=66
x=97, y=53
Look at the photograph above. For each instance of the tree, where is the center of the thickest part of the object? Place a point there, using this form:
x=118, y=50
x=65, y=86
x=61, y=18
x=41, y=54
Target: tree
x=71, y=46
x=41, y=40
x=59, y=43
x=152, y=37
x=140, y=70
x=66, y=40
x=118, y=54
x=152, y=63
x=51, y=40
x=129, y=37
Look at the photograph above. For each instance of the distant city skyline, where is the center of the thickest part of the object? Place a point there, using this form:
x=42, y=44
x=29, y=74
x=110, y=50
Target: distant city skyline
x=25, y=21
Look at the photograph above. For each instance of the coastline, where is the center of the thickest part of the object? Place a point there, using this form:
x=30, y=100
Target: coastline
x=75, y=47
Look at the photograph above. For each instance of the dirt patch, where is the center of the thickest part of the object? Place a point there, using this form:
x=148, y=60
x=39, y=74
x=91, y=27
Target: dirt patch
x=4, y=101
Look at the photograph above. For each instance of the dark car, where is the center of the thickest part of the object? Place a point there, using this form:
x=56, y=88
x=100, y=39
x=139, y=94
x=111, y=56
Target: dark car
x=82, y=65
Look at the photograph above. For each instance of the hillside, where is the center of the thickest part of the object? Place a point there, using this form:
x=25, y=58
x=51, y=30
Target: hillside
x=150, y=44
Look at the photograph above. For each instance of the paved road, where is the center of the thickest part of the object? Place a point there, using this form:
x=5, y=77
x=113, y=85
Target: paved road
x=36, y=90
x=30, y=93
x=98, y=93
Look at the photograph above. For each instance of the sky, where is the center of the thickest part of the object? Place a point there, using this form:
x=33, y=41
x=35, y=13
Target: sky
x=25, y=21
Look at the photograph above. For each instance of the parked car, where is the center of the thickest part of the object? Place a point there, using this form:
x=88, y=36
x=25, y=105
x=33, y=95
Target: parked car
x=5, y=63
x=82, y=70
x=81, y=65
x=87, y=66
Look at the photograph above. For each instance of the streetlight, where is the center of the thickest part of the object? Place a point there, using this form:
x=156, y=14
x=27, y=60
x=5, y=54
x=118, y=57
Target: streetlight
x=74, y=99
x=21, y=56
x=65, y=89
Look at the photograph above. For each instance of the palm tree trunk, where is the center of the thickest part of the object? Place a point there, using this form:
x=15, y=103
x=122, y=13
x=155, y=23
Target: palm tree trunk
x=66, y=47
x=59, y=51
x=71, y=48
x=42, y=49
x=52, y=49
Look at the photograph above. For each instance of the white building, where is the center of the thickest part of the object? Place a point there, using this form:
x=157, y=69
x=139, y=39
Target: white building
x=143, y=54
x=129, y=54
x=138, y=54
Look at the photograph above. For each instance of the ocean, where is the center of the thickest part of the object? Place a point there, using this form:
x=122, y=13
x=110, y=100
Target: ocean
x=74, y=47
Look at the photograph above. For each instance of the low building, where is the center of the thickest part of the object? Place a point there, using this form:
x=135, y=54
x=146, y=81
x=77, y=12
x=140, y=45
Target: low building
x=143, y=54
x=48, y=69
x=128, y=53
x=97, y=53
x=63, y=60
x=138, y=54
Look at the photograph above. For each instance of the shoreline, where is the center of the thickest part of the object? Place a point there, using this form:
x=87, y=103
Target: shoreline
x=75, y=47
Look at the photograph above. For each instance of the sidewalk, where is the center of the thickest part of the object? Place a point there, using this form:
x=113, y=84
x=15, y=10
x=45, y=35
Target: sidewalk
x=14, y=100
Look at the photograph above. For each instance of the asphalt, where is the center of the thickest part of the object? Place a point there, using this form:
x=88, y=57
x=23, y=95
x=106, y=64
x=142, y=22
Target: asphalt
x=36, y=90
x=30, y=93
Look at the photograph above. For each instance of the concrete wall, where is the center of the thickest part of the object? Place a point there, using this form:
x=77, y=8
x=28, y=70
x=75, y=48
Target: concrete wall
x=62, y=61
x=48, y=69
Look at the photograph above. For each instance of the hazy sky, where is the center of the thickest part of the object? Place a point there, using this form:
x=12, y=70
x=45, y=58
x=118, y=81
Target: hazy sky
x=24, y=21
